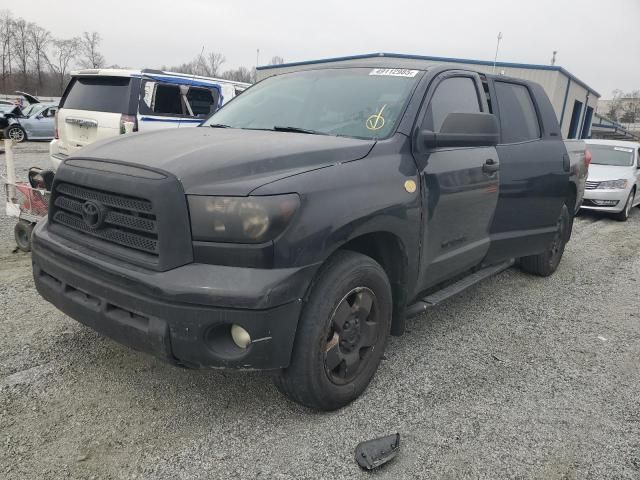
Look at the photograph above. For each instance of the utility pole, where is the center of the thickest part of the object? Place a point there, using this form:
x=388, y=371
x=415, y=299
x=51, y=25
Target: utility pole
x=495, y=59
x=553, y=59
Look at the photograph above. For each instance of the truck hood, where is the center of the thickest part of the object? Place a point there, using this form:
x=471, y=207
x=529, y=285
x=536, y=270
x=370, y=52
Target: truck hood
x=600, y=173
x=226, y=161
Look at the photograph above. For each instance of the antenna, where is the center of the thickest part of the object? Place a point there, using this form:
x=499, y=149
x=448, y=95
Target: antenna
x=193, y=78
x=495, y=59
x=553, y=59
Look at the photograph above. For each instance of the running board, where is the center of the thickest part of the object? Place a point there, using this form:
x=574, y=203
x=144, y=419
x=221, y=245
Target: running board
x=455, y=288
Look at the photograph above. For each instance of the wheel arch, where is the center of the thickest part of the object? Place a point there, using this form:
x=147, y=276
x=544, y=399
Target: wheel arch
x=390, y=252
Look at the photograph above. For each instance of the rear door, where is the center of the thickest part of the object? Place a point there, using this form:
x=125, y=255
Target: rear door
x=534, y=170
x=92, y=107
x=459, y=192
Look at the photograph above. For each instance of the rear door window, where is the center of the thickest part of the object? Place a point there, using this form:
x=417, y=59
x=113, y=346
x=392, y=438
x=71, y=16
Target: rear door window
x=518, y=117
x=98, y=94
x=452, y=95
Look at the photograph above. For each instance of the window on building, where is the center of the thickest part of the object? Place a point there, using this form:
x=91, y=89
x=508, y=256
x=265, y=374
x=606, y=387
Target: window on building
x=453, y=95
x=575, y=119
x=518, y=117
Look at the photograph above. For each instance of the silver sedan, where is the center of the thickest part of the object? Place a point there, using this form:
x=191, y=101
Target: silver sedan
x=613, y=184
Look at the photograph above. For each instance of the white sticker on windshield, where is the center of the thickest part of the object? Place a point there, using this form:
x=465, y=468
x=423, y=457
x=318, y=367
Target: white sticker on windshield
x=623, y=149
x=393, y=72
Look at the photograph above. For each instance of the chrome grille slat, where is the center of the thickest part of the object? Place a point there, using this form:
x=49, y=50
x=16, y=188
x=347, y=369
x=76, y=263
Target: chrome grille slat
x=589, y=185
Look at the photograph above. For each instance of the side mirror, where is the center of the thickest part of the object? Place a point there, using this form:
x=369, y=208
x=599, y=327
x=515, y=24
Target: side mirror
x=464, y=130
x=39, y=116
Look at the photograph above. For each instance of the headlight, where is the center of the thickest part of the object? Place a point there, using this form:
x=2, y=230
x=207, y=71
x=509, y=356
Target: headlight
x=613, y=185
x=240, y=219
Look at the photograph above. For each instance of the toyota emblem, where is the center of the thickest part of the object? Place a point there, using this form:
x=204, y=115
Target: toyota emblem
x=93, y=214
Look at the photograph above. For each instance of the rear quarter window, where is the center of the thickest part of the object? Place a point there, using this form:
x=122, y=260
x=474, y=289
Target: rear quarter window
x=98, y=94
x=518, y=116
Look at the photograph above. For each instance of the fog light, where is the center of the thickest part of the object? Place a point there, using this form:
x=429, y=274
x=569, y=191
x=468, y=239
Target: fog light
x=240, y=336
x=606, y=203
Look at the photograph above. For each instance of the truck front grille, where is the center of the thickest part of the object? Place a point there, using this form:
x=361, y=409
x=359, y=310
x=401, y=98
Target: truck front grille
x=112, y=217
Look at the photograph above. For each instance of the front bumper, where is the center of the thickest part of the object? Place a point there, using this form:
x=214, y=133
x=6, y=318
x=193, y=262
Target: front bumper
x=183, y=315
x=591, y=197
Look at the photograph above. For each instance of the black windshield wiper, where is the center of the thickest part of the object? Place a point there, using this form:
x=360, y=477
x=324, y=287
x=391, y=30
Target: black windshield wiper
x=279, y=128
x=220, y=125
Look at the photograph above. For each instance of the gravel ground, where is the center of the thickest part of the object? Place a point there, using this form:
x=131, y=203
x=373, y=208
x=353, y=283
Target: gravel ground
x=518, y=377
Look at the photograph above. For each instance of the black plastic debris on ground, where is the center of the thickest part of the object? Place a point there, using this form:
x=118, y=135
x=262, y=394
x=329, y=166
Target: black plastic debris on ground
x=373, y=453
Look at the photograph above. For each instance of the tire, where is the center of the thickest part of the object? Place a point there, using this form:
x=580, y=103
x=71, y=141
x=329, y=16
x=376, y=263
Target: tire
x=545, y=263
x=334, y=356
x=623, y=216
x=15, y=132
x=22, y=233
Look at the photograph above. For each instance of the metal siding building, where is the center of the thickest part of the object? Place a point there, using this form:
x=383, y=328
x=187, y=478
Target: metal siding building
x=573, y=100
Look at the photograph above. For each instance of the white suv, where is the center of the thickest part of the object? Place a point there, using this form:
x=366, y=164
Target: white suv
x=104, y=103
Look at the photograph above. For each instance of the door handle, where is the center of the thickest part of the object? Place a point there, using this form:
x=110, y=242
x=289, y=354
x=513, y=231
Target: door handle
x=490, y=166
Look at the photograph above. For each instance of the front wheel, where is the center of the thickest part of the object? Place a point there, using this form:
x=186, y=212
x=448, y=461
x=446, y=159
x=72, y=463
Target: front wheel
x=15, y=133
x=341, y=335
x=623, y=216
x=545, y=263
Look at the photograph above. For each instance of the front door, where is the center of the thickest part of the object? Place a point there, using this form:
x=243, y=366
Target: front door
x=459, y=191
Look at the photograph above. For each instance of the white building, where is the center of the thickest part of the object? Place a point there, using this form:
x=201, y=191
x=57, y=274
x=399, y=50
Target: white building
x=573, y=100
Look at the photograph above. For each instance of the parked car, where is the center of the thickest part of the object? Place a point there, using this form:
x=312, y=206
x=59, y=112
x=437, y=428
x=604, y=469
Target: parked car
x=106, y=103
x=16, y=109
x=614, y=177
x=37, y=122
x=306, y=220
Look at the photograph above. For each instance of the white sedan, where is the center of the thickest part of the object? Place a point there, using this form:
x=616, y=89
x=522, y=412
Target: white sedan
x=613, y=184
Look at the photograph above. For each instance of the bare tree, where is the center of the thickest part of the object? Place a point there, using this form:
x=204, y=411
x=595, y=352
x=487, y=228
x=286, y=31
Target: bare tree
x=64, y=52
x=277, y=60
x=6, y=36
x=242, y=74
x=40, y=39
x=91, y=56
x=213, y=63
x=22, y=47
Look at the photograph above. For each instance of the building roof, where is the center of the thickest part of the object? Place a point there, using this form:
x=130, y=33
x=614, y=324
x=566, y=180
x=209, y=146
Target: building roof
x=424, y=58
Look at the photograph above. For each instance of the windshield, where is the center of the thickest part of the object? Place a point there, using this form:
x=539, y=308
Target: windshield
x=608, y=155
x=354, y=102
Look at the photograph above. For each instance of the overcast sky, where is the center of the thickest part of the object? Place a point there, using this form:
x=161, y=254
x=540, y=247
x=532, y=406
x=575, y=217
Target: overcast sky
x=597, y=40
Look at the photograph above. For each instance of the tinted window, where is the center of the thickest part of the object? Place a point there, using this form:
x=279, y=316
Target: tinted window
x=202, y=101
x=453, y=95
x=518, y=118
x=100, y=94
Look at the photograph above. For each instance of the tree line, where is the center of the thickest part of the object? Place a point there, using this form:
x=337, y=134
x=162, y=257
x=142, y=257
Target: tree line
x=35, y=61
x=624, y=107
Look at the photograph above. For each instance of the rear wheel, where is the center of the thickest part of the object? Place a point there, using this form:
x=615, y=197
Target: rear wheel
x=545, y=263
x=623, y=216
x=341, y=335
x=15, y=133
x=22, y=233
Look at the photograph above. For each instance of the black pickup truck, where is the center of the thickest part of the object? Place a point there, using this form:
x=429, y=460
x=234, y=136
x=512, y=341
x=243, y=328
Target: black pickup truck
x=302, y=224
